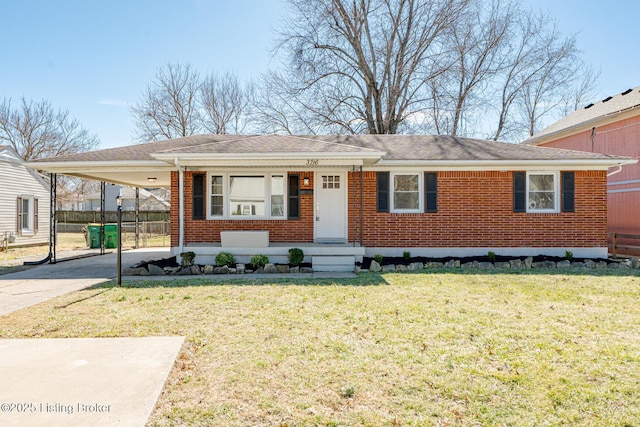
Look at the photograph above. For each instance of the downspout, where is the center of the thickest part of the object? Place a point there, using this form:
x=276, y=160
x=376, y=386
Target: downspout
x=181, y=204
x=615, y=171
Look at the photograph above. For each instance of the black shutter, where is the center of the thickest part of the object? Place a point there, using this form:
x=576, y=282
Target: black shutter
x=568, y=192
x=19, y=217
x=519, y=191
x=198, y=189
x=430, y=192
x=35, y=215
x=383, y=191
x=294, y=196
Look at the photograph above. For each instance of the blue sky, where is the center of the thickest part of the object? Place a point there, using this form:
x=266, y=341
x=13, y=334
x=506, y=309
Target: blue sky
x=95, y=57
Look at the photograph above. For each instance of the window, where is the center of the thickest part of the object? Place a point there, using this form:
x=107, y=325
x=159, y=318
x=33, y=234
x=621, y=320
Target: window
x=330, y=181
x=277, y=196
x=406, y=192
x=27, y=216
x=542, y=192
x=247, y=196
x=217, y=196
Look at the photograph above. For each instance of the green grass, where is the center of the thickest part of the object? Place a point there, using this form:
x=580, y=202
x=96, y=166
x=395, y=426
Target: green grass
x=437, y=348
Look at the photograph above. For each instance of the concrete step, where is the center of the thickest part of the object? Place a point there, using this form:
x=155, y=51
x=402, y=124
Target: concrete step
x=333, y=262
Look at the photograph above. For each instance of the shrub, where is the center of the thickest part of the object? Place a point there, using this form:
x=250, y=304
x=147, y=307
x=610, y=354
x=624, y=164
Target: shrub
x=296, y=256
x=406, y=254
x=259, y=260
x=225, y=258
x=568, y=255
x=187, y=258
x=491, y=256
x=378, y=258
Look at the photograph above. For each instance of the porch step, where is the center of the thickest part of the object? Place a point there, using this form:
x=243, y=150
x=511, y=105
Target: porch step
x=333, y=262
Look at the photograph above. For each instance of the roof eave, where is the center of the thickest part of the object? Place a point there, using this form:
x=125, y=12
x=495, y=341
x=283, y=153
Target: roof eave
x=586, y=125
x=577, y=164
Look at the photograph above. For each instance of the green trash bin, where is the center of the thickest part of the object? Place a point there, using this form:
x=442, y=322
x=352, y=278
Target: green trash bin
x=93, y=236
x=111, y=236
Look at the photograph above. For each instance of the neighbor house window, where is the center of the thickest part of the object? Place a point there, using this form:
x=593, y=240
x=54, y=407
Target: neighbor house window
x=247, y=196
x=406, y=192
x=27, y=216
x=542, y=192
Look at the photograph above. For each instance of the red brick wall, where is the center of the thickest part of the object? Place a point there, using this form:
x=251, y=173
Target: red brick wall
x=300, y=230
x=475, y=209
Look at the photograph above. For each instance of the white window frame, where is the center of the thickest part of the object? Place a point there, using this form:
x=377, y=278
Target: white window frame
x=226, y=180
x=556, y=190
x=392, y=192
x=31, y=216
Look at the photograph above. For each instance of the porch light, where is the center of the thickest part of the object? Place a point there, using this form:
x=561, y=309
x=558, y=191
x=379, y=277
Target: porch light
x=306, y=181
x=152, y=179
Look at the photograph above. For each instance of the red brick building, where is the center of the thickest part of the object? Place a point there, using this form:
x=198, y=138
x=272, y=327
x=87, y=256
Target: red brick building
x=611, y=127
x=354, y=196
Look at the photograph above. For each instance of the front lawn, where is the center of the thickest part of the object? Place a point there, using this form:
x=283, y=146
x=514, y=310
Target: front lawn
x=442, y=348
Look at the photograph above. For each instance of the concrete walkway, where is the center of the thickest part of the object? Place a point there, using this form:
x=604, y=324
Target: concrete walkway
x=38, y=284
x=79, y=382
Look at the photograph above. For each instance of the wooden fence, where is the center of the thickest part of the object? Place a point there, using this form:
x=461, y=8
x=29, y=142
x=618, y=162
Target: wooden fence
x=629, y=244
x=89, y=217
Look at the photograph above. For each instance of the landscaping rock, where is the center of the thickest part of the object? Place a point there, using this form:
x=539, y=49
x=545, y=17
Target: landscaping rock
x=578, y=264
x=390, y=267
x=375, y=267
x=613, y=265
x=232, y=270
x=450, y=264
x=306, y=270
x=189, y=271
x=294, y=270
x=589, y=263
x=563, y=264
x=505, y=264
x=270, y=268
x=195, y=270
x=635, y=262
x=154, y=270
x=208, y=269
x=485, y=265
x=601, y=264
x=241, y=268
x=434, y=264
x=625, y=265
x=171, y=270
x=528, y=262
x=259, y=270
x=135, y=271
x=543, y=264
x=282, y=268
x=515, y=263
x=416, y=266
x=401, y=267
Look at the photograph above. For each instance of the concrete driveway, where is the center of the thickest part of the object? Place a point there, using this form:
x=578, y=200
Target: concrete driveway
x=33, y=286
x=78, y=381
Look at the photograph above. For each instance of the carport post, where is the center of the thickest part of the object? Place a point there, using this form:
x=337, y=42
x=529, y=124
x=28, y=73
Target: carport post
x=119, y=263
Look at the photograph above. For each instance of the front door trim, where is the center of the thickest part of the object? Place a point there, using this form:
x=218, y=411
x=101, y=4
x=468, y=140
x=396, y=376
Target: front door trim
x=341, y=236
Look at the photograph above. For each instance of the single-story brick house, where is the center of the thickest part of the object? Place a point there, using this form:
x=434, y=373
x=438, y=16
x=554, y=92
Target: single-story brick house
x=343, y=197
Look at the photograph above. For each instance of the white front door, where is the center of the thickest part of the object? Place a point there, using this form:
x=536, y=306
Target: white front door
x=331, y=206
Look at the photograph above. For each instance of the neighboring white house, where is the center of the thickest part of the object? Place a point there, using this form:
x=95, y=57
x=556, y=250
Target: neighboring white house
x=24, y=202
x=148, y=200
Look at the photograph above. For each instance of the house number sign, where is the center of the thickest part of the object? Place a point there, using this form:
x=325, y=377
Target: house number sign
x=311, y=162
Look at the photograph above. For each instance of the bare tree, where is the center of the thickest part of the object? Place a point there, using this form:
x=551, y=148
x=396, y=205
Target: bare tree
x=364, y=65
x=225, y=104
x=476, y=45
x=35, y=129
x=169, y=105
